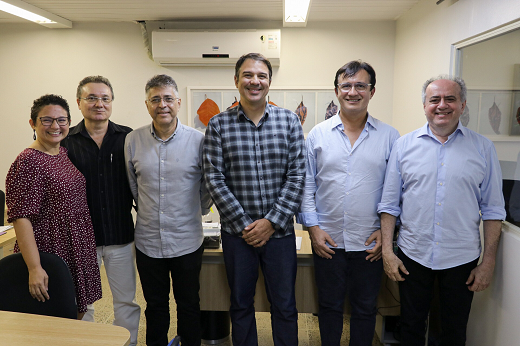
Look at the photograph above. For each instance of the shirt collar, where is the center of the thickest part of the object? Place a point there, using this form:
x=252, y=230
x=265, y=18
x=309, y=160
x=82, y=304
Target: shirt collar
x=81, y=129
x=336, y=122
x=177, y=129
x=426, y=131
x=267, y=110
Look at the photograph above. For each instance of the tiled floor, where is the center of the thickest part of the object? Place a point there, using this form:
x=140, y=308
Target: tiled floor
x=308, y=331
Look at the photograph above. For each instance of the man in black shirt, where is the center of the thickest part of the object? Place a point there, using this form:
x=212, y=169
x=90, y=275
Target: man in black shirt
x=96, y=147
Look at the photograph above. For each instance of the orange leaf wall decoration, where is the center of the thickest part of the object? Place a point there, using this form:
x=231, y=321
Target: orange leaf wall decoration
x=207, y=110
x=301, y=112
x=234, y=104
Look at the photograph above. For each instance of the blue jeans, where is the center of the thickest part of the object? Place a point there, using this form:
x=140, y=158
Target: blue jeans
x=416, y=294
x=278, y=262
x=347, y=273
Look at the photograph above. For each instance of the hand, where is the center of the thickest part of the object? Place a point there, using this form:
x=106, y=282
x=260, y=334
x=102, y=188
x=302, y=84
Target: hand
x=392, y=265
x=375, y=253
x=480, y=277
x=258, y=233
x=319, y=240
x=39, y=284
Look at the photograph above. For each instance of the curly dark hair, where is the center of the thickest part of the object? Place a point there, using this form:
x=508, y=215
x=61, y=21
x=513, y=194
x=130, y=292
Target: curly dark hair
x=45, y=100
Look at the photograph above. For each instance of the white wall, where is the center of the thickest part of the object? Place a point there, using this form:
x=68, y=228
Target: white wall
x=424, y=37
x=494, y=313
x=35, y=60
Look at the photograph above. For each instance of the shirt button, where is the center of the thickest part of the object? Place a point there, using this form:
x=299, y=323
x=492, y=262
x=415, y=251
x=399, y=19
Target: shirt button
x=438, y=223
x=438, y=204
x=440, y=184
x=442, y=163
x=436, y=243
x=348, y=173
x=348, y=193
x=162, y=212
x=162, y=160
x=162, y=178
x=162, y=194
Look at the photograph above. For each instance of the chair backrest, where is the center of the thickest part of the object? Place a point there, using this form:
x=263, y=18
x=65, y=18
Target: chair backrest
x=2, y=207
x=14, y=287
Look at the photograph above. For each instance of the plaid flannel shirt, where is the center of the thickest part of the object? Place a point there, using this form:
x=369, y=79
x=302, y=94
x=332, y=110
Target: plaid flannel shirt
x=255, y=172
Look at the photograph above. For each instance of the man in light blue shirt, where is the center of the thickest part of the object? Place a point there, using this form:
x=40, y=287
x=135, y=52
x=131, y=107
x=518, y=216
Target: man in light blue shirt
x=442, y=179
x=346, y=164
x=164, y=166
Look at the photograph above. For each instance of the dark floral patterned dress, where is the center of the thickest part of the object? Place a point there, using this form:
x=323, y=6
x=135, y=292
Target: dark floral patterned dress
x=51, y=193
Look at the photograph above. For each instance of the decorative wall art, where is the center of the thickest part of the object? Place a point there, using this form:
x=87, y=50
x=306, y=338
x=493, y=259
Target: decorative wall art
x=492, y=113
x=515, y=118
x=312, y=105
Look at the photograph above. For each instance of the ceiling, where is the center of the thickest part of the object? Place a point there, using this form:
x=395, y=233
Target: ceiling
x=213, y=10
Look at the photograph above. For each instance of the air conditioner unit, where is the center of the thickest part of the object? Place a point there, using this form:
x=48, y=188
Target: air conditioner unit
x=213, y=48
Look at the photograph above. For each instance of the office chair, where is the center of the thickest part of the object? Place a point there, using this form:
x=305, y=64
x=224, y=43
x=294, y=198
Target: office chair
x=14, y=287
x=2, y=206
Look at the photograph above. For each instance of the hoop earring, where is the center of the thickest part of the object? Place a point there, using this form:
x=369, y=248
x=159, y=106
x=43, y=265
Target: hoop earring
x=34, y=134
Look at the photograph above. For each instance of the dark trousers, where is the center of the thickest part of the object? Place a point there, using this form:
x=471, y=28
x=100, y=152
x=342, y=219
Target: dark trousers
x=155, y=280
x=416, y=293
x=347, y=273
x=278, y=262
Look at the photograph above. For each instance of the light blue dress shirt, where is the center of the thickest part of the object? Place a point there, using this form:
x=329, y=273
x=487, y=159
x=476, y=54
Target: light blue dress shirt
x=166, y=180
x=344, y=183
x=440, y=191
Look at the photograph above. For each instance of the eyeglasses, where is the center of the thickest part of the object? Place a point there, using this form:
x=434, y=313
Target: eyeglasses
x=360, y=87
x=47, y=121
x=166, y=99
x=93, y=99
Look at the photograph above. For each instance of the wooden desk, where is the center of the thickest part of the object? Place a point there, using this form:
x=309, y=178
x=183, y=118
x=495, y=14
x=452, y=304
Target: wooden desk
x=214, y=289
x=7, y=243
x=30, y=330
x=7, y=240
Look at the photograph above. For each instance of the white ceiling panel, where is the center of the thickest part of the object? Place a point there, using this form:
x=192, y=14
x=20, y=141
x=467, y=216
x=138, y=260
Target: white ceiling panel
x=213, y=10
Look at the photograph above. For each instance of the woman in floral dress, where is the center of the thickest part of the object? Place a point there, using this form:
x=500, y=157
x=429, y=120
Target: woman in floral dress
x=47, y=204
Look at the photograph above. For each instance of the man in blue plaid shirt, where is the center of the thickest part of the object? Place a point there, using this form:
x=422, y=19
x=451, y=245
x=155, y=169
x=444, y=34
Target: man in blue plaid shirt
x=254, y=168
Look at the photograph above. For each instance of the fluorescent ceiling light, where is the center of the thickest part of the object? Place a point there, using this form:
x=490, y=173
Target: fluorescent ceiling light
x=295, y=12
x=34, y=14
